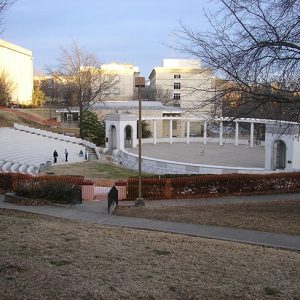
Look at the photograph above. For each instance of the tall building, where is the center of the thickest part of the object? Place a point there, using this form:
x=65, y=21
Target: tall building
x=186, y=83
x=17, y=65
x=124, y=87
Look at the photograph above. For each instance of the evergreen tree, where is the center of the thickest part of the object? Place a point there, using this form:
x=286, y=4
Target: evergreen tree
x=92, y=128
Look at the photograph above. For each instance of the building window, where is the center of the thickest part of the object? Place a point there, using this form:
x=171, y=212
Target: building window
x=177, y=76
x=176, y=96
x=176, y=104
x=177, y=86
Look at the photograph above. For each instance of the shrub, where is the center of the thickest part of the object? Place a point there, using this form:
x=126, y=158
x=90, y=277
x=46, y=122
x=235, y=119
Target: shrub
x=5, y=181
x=213, y=185
x=58, y=192
x=30, y=189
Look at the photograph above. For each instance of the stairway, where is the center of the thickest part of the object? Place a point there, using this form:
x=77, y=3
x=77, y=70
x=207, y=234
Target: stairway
x=92, y=154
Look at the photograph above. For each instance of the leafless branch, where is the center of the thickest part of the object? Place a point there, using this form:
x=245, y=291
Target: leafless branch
x=253, y=46
x=84, y=82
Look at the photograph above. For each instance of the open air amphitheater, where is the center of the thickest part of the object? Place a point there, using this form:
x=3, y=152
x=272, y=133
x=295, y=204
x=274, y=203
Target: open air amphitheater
x=28, y=150
x=279, y=151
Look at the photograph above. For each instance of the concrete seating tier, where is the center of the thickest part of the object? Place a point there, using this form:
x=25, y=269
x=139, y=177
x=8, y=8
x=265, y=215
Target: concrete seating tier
x=58, y=136
x=25, y=151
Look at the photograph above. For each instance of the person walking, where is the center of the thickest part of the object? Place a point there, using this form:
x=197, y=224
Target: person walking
x=55, y=155
x=66, y=154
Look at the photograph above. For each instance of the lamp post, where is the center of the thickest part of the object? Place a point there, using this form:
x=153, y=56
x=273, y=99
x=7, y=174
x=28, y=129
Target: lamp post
x=51, y=86
x=139, y=83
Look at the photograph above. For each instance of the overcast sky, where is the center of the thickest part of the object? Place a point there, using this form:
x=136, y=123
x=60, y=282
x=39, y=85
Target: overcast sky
x=132, y=31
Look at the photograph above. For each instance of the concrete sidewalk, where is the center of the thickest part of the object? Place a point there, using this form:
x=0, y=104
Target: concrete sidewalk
x=96, y=212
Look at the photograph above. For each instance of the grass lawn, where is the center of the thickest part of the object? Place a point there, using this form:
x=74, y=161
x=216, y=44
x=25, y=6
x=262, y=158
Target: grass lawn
x=281, y=216
x=48, y=258
x=94, y=169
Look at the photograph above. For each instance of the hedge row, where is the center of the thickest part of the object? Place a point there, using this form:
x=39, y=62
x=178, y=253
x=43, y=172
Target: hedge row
x=10, y=180
x=213, y=185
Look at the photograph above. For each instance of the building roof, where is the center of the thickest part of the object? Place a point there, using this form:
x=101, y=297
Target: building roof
x=7, y=45
x=179, y=66
x=127, y=105
x=133, y=104
x=120, y=68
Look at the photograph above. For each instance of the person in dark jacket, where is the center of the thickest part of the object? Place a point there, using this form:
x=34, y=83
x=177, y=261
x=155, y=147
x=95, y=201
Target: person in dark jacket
x=55, y=155
x=66, y=154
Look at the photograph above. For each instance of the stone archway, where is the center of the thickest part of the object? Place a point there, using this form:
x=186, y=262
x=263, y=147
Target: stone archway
x=113, y=137
x=128, y=136
x=279, y=155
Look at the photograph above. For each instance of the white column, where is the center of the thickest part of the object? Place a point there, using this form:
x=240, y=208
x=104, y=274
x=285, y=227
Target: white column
x=188, y=132
x=205, y=133
x=236, y=133
x=251, y=135
x=171, y=131
x=221, y=133
x=154, y=132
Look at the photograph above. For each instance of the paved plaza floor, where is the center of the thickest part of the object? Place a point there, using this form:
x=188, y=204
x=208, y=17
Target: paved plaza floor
x=209, y=154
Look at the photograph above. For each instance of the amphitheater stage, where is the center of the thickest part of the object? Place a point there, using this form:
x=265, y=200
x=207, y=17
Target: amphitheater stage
x=210, y=154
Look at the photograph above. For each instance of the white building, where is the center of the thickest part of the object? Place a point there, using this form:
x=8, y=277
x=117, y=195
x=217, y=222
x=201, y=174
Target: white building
x=124, y=88
x=16, y=63
x=188, y=83
x=282, y=146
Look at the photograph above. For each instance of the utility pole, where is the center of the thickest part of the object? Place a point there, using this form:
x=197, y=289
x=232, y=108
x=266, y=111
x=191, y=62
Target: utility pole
x=52, y=96
x=139, y=83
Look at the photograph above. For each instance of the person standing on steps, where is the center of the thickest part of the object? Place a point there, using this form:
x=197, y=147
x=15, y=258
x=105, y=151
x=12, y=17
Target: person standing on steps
x=55, y=155
x=66, y=154
x=86, y=154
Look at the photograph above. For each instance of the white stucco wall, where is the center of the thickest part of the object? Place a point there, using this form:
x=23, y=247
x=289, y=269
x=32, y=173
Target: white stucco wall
x=124, y=87
x=296, y=153
x=196, y=83
x=290, y=137
x=17, y=63
x=120, y=122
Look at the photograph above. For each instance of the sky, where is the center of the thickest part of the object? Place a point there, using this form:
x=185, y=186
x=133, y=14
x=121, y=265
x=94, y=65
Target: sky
x=124, y=31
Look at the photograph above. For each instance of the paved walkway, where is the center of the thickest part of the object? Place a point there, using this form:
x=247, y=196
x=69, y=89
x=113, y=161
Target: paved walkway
x=96, y=212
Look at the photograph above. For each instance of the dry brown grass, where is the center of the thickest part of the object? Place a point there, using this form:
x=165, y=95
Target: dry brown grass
x=47, y=258
x=8, y=119
x=42, y=112
x=281, y=216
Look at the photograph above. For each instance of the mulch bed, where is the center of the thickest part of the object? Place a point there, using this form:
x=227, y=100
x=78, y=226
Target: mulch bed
x=20, y=200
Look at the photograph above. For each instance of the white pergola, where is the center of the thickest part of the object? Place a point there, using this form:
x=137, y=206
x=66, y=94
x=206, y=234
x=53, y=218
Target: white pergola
x=205, y=120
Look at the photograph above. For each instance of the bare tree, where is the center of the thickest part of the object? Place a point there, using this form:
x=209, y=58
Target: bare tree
x=38, y=96
x=82, y=81
x=253, y=46
x=165, y=96
x=4, y=6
